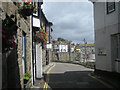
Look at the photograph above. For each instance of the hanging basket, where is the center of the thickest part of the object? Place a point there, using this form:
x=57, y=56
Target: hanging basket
x=41, y=37
x=27, y=9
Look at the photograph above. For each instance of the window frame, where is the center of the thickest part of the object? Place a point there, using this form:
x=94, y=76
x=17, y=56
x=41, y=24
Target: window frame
x=107, y=7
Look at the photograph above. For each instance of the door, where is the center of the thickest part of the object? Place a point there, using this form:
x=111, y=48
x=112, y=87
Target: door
x=24, y=52
x=116, y=53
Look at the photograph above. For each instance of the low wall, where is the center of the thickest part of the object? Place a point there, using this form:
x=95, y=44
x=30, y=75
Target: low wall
x=66, y=56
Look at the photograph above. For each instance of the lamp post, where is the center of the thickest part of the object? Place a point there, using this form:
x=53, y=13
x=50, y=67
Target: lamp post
x=69, y=52
x=85, y=50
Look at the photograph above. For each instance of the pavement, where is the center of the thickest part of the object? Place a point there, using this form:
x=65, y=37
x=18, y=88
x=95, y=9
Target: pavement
x=40, y=83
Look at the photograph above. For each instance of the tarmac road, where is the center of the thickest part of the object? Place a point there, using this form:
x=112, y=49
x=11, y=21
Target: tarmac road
x=66, y=75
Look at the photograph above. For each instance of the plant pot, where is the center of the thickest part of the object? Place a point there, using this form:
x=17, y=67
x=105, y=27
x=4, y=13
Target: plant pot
x=25, y=81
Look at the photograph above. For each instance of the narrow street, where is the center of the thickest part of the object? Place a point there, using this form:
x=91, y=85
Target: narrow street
x=65, y=75
x=49, y=44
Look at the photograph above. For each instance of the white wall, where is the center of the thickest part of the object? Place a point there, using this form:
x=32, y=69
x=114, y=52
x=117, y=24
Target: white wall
x=105, y=26
x=38, y=60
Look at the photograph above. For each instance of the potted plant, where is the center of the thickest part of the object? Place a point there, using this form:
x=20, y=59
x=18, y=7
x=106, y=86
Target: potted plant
x=27, y=9
x=26, y=78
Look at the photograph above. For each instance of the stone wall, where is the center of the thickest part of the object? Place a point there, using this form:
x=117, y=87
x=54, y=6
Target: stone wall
x=43, y=57
x=66, y=56
x=12, y=61
x=48, y=56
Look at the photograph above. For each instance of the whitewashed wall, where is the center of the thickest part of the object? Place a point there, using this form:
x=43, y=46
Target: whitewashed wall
x=38, y=60
x=63, y=48
x=105, y=26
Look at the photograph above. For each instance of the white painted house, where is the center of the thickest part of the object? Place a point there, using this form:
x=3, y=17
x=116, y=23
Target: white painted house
x=63, y=48
x=107, y=35
x=60, y=46
x=36, y=47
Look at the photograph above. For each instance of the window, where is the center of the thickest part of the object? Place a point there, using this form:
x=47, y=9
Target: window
x=110, y=7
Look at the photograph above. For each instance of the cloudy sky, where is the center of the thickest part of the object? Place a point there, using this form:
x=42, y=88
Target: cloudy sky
x=72, y=20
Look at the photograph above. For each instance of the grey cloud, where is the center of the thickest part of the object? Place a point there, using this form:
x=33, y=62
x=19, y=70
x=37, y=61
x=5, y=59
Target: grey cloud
x=73, y=21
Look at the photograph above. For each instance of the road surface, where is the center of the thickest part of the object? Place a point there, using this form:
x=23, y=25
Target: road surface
x=66, y=75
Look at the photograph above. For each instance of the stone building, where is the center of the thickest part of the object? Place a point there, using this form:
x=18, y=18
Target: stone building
x=16, y=61
x=60, y=46
x=36, y=46
x=39, y=53
x=49, y=44
x=20, y=60
x=46, y=51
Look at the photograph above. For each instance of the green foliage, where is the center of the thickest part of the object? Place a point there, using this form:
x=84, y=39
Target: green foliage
x=9, y=30
x=26, y=76
x=88, y=64
x=60, y=39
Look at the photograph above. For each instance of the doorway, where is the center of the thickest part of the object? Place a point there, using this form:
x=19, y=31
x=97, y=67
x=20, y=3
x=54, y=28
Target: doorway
x=24, y=52
x=115, y=53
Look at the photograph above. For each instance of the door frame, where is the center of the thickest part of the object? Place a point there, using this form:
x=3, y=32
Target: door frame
x=115, y=52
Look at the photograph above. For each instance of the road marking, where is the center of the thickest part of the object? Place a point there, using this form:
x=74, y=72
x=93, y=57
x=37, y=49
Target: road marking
x=47, y=80
x=104, y=83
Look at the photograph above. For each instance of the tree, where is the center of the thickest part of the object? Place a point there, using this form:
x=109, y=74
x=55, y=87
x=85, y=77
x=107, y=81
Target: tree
x=61, y=39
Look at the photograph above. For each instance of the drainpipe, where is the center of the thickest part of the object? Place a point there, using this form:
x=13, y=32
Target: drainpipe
x=69, y=52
